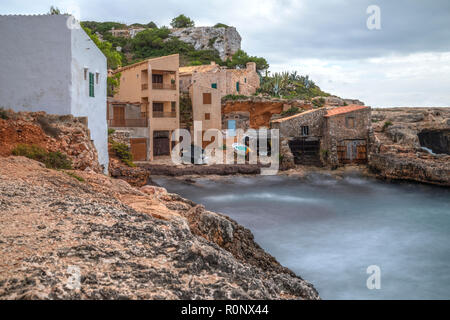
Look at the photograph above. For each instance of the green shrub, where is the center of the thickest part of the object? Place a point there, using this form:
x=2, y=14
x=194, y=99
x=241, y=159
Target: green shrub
x=111, y=131
x=74, y=176
x=318, y=102
x=53, y=160
x=221, y=25
x=122, y=151
x=3, y=114
x=386, y=125
x=234, y=97
x=291, y=111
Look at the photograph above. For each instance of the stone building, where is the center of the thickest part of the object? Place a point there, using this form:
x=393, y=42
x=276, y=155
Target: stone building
x=147, y=105
x=207, y=84
x=332, y=136
x=50, y=64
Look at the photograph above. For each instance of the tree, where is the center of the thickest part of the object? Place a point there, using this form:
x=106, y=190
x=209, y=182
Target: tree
x=113, y=58
x=240, y=59
x=54, y=11
x=182, y=22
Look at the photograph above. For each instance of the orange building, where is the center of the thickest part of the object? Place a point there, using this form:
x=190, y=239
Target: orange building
x=147, y=105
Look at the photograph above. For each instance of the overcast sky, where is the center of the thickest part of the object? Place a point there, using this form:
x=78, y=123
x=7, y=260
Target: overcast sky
x=405, y=63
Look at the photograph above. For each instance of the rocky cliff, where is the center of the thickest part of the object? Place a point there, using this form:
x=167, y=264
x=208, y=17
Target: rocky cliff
x=67, y=134
x=226, y=41
x=100, y=238
x=411, y=144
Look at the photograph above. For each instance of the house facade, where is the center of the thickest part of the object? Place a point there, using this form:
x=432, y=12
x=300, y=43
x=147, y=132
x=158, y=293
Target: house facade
x=333, y=136
x=147, y=105
x=207, y=84
x=50, y=64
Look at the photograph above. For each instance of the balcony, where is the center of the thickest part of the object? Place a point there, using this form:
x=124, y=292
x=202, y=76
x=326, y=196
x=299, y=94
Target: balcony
x=159, y=114
x=171, y=86
x=123, y=123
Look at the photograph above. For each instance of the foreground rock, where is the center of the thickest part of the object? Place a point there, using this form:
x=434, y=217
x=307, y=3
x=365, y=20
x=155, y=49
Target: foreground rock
x=411, y=144
x=126, y=243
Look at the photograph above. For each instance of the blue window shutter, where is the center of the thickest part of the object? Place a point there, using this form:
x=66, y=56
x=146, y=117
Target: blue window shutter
x=237, y=86
x=214, y=85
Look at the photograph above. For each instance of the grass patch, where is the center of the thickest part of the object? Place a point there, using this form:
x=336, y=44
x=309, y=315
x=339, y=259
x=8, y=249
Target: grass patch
x=52, y=160
x=122, y=151
x=290, y=112
x=73, y=175
x=3, y=114
x=386, y=125
x=234, y=97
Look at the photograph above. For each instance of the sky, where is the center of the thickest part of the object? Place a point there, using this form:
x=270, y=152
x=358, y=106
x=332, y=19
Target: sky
x=403, y=61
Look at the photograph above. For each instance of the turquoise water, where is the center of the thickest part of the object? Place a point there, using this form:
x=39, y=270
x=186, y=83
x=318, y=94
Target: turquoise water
x=330, y=230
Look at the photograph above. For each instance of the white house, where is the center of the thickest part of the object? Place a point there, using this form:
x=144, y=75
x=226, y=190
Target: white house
x=49, y=64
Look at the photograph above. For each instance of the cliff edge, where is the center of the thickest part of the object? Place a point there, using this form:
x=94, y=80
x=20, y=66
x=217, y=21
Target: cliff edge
x=63, y=228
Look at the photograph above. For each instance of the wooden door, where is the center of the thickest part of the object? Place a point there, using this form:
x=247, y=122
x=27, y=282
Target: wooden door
x=161, y=143
x=118, y=116
x=139, y=149
x=361, y=155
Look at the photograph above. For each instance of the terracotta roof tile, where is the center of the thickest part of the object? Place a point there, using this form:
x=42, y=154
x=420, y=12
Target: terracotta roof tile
x=345, y=109
x=202, y=68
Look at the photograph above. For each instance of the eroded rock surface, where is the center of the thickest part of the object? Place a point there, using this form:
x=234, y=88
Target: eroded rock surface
x=397, y=152
x=126, y=243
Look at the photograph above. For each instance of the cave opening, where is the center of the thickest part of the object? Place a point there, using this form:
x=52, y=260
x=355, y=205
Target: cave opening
x=438, y=141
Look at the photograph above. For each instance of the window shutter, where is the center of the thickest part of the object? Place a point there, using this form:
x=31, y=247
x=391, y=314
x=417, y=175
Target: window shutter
x=237, y=86
x=91, y=85
x=207, y=98
x=214, y=85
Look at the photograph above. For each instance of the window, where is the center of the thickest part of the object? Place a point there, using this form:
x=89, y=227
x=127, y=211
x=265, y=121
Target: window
x=237, y=86
x=350, y=122
x=85, y=73
x=97, y=76
x=231, y=128
x=214, y=85
x=305, y=130
x=207, y=98
x=158, y=107
x=207, y=116
x=157, y=78
x=91, y=84
x=174, y=106
x=245, y=80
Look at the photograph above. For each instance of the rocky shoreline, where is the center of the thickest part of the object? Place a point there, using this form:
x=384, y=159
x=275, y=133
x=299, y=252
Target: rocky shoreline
x=125, y=243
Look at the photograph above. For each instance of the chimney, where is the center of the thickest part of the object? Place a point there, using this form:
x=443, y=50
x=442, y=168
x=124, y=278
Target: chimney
x=213, y=63
x=251, y=66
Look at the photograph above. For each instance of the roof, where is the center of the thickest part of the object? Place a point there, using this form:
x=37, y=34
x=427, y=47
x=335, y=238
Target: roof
x=193, y=69
x=296, y=115
x=345, y=109
x=142, y=62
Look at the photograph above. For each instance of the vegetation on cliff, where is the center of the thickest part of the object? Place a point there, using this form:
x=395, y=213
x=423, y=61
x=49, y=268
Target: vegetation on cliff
x=290, y=85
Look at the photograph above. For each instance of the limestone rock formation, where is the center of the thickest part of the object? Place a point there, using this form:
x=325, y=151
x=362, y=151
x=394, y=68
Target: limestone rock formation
x=411, y=144
x=61, y=238
x=226, y=41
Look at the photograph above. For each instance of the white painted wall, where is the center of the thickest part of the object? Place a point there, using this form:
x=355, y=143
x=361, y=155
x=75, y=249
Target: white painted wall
x=85, y=54
x=42, y=63
x=35, y=64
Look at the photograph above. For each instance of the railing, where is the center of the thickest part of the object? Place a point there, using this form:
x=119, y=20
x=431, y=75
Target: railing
x=141, y=122
x=144, y=86
x=159, y=114
x=171, y=86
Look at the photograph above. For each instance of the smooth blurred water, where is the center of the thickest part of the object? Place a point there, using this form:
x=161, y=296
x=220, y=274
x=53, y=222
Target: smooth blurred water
x=330, y=230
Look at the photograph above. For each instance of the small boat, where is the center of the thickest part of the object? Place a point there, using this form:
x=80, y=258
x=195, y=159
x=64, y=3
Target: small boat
x=241, y=149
